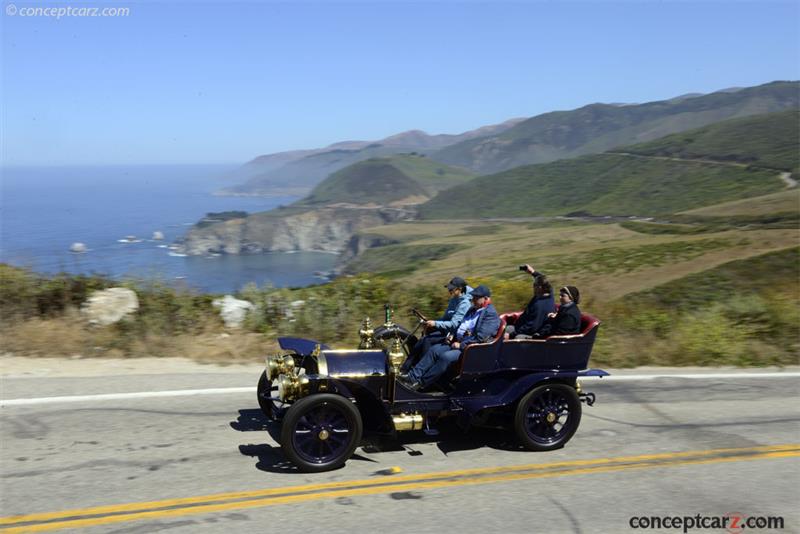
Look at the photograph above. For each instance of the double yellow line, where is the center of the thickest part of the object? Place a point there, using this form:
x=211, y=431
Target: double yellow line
x=102, y=515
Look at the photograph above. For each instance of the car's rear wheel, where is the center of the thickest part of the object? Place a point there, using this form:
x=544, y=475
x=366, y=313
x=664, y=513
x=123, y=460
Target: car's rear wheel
x=321, y=432
x=547, y=417
x=266, y=388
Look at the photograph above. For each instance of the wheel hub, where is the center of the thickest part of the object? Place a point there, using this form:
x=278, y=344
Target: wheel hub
x=323, y=434
x=551, y=417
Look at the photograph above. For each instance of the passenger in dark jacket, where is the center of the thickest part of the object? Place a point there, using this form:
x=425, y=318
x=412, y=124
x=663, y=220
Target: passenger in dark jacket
x=568, y=318
x=535, y=314
x=480, y=325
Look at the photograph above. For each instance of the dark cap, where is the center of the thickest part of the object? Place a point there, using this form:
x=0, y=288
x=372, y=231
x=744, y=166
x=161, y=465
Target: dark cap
x=481, y=291
x=456, y=282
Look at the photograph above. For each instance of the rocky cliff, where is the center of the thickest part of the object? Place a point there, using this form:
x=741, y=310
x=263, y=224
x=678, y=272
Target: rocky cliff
x=326, y=229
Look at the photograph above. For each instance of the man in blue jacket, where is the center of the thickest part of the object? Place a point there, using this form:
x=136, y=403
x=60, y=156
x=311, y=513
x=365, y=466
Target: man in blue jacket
x=479, y=326
x=439, y=329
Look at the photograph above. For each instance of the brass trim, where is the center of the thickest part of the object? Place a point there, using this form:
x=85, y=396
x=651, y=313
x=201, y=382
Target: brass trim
x=340, y=351
x=407, y=421
x=356, y=375
x=322, y=364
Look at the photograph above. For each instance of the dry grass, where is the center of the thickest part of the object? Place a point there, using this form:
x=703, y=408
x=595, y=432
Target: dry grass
x=70, y=336
x=784, y=201
x=497, y=255
x=63, y=336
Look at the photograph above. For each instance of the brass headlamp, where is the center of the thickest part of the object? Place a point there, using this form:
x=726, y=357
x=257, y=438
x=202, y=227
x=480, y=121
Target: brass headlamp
x=291, y=386
x=278, y=365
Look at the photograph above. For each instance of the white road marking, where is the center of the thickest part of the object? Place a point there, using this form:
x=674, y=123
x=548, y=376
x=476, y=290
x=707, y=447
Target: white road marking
x=694, y=376
x=124, y=396
x=225, y=391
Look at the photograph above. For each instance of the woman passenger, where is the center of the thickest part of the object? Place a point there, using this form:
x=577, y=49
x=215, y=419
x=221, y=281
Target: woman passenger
x=567, y=320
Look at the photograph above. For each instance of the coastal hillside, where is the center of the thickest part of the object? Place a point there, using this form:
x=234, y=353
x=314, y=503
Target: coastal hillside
x=400, y=179
x=369, y=193
x=770, y=141
x=599, y=127
x=297, y=172
x=646, y=180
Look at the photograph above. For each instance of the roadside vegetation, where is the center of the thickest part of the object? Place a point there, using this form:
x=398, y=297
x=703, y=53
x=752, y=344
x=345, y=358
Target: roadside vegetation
x=743, y=312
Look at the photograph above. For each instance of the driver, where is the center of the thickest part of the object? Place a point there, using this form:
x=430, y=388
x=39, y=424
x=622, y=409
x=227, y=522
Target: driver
x=439, y=329
x=479, y=326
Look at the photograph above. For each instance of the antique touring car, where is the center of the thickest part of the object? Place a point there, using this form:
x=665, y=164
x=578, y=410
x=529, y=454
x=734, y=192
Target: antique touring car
x=326, y=399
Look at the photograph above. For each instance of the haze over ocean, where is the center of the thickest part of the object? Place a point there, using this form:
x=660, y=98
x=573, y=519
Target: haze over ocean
x=46, y=209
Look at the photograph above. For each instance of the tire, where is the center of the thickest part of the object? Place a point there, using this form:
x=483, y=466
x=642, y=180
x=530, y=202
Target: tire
x=321, y=432
x=269, y=408
x=547, y=417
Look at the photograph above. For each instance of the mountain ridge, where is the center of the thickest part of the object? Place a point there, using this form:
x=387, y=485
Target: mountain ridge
x=596, y=128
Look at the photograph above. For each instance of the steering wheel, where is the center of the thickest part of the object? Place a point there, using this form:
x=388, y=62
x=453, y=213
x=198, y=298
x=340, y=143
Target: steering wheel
x=419, y=315
x=406, y=337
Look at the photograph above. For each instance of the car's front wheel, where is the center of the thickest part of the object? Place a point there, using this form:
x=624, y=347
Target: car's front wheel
x=321, y=432
x=547, y=417
x=266, y=388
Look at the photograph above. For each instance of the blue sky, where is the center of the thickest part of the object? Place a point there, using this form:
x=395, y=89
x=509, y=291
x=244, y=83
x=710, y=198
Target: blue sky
x=214, y=82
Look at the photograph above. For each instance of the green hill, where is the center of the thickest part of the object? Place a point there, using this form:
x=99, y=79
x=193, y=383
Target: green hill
x=771, y=141
x=623, y=184
x=406, y=178
x=599, y=127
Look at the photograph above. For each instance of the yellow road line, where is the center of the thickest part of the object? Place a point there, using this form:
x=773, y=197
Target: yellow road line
x=141, y=511
x=379, y=481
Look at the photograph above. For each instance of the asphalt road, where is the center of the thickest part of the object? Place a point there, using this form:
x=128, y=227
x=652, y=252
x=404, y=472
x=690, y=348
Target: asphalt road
x=208, y=463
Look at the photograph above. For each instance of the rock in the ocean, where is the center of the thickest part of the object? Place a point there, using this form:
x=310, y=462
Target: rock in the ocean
x=158, y=236
x=78, y=248
x=110, y=305
x=232, y=310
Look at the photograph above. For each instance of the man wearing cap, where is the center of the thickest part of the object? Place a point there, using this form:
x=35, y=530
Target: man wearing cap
x=439, y=329
x=479, y=326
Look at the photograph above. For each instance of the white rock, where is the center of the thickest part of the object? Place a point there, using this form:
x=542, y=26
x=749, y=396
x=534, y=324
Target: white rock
x=297, y=303
x=158, y=236
x=110, y=305
x=79, y=248
x=232, y=310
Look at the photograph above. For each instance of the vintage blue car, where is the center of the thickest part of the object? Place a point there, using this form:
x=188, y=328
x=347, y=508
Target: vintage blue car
x=326, y=399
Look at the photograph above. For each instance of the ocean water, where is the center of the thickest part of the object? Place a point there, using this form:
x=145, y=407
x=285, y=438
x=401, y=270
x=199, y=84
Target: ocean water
x=43, y=210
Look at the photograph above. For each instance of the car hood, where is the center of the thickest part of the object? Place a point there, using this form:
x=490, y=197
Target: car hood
x=300, y=345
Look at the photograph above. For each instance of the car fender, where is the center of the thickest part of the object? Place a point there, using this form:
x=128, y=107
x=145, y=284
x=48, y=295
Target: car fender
x=373, y=412
x=521, y=386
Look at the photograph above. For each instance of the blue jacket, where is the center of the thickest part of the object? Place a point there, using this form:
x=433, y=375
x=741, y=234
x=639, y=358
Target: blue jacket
x=457, y=308
x=486, y=327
